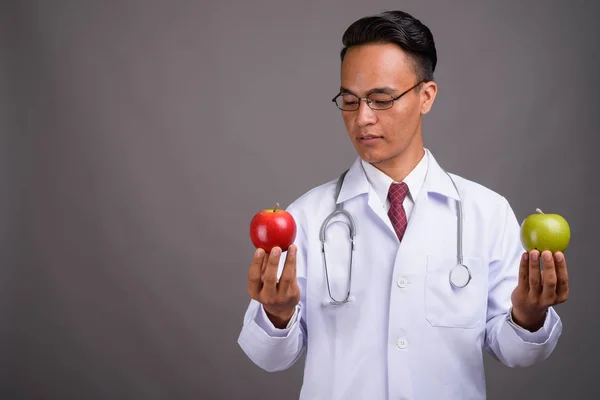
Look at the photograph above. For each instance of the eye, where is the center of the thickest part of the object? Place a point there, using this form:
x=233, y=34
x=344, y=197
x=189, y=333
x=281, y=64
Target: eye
x=381, y=100
x=349, y=99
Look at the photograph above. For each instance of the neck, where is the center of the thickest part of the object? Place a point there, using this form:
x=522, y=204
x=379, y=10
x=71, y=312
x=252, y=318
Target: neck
x=401, y=165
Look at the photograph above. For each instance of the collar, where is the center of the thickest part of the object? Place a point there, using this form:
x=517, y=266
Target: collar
x=381, y=182
x=435, y=180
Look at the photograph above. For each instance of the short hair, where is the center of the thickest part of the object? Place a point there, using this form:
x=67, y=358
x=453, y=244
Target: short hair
x=400, y=28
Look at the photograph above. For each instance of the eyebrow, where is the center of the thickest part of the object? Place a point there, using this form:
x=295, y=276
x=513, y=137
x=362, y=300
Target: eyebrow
x=385, y=89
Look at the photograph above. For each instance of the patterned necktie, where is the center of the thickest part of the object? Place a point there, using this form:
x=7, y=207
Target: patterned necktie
x=396, y=195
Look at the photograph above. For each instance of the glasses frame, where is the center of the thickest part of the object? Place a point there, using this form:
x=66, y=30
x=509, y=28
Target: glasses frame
x=366, y=99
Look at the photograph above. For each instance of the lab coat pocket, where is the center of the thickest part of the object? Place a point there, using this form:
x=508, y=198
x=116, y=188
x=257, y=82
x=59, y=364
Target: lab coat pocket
x=447, y=306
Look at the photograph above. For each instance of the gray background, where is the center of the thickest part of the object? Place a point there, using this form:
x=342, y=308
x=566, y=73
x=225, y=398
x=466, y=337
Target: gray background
x=138, y=139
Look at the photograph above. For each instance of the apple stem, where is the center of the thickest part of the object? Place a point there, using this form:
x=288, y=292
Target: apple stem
x=276, y=207
x=538, y=211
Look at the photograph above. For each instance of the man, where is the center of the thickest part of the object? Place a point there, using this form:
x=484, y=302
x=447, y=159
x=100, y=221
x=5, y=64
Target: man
x=407, y=328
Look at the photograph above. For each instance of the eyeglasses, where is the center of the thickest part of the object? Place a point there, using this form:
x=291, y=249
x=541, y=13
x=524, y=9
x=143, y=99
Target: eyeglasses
x=375, y=101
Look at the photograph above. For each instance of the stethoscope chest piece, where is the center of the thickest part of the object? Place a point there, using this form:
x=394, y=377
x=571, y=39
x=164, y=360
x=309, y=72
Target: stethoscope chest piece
x=460, y=276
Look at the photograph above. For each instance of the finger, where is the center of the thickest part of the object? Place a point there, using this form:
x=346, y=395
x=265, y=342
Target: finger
x=562, y=277
x=254, y=273
x=263, y=267
x=270, y=275
x=549, y=281
x=289, y=270
x=535, y=286
x=523, y=283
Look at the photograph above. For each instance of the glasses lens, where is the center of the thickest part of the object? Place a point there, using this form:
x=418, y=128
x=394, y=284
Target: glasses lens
x=347, y=102
x=381, y=101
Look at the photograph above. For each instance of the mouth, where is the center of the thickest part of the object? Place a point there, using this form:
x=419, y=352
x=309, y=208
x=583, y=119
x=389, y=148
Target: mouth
x=369, y=138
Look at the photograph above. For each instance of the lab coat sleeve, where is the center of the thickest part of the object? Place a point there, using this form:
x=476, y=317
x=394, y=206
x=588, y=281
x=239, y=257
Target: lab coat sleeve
x=270, y=348
x=505, y=340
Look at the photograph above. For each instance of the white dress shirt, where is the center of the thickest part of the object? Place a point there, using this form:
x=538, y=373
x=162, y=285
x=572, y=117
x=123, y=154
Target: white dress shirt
x=381, y=183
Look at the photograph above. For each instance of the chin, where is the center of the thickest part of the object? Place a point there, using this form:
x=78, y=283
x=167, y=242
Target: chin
x=373, y=154
x=377, y=159
x=372, y=159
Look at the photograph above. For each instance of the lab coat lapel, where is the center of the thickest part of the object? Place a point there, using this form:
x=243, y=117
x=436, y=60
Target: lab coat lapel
x=355, y=184
x=430, y=226
x=437, y=181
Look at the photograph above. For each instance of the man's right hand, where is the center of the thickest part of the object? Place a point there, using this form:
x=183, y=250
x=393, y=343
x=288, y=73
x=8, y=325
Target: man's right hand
x=279, y=298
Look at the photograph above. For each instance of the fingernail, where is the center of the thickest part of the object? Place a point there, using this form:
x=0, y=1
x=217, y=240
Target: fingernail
x=258, y=252
x=534, y=256
x=292, y=250
x=559, y=257
x=547, y=256
x=275, y=251
x=525, y=256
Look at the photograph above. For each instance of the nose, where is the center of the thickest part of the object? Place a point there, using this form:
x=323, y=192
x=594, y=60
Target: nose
x=365, y=115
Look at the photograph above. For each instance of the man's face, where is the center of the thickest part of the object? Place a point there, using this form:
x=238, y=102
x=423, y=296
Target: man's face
x=382, y=136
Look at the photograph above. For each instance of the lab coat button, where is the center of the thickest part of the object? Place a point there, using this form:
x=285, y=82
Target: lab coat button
x=402, y=343
x=402, y=281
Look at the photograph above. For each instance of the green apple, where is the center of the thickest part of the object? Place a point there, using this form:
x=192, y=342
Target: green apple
x=545, y=232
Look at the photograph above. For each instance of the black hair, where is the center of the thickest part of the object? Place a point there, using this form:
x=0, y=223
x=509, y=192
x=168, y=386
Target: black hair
x=400, y=28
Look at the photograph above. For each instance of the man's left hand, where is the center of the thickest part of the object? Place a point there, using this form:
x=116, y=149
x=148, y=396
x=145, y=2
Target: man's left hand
x=537, y=290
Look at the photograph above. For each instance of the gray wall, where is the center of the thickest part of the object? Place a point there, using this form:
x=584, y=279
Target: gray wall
x=8, y=218
x=146, y=134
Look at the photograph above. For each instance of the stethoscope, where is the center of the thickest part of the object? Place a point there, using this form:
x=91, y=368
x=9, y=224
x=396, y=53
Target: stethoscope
x=459, y=276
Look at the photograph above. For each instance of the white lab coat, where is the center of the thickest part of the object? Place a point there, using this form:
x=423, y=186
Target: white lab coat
x=407, y=334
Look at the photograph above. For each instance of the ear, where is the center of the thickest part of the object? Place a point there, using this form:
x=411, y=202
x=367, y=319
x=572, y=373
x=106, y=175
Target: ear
x=428, y=93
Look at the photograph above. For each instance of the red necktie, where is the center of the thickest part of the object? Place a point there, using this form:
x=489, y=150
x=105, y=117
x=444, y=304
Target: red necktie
x=396, y=195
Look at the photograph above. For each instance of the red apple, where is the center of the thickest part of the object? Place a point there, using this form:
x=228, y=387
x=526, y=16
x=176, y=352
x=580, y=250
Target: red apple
x=273, y=227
